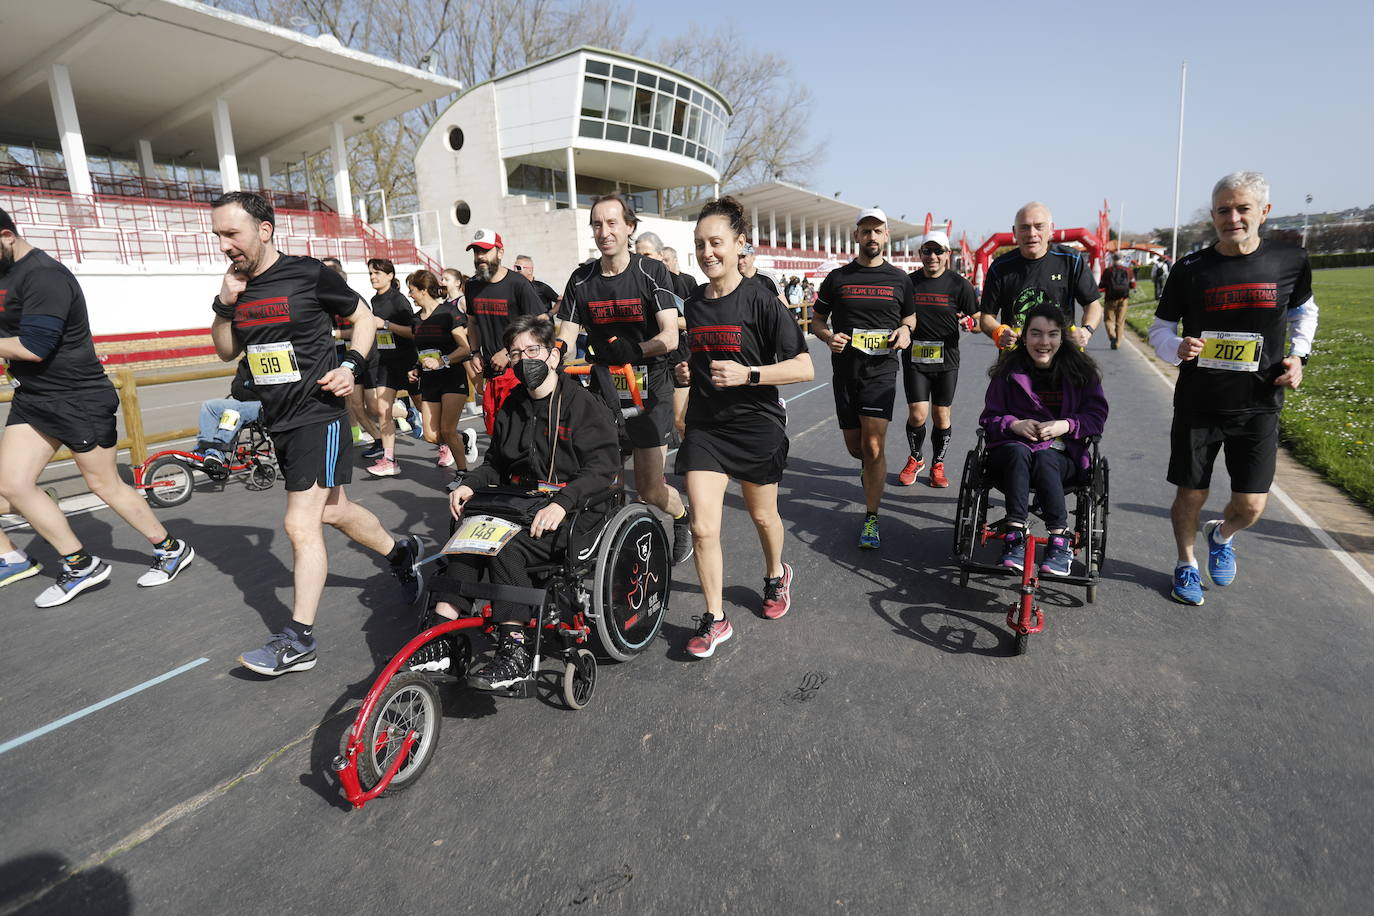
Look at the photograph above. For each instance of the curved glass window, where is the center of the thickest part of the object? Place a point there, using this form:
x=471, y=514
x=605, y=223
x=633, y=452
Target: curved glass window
x=627, y=104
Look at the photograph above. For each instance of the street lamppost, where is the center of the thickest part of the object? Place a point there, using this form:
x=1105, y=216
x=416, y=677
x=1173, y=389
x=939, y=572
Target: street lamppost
x=1304, y=220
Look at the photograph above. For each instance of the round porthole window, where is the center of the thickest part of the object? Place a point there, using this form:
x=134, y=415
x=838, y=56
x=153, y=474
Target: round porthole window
x=455, y=138
x=462, y=213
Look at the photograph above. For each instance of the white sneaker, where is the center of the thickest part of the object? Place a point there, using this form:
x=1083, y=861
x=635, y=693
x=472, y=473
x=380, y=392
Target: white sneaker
x=71, y=583
x=167, y=566
x=469, y=445
x=471, y=409
x=364, y=438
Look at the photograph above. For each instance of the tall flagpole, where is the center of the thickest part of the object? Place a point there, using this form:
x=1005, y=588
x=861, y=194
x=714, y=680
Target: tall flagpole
x=1178, y=166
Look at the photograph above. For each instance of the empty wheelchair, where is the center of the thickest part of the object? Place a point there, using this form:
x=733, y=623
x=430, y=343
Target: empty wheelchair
x=1087, y=499
x=609, y=589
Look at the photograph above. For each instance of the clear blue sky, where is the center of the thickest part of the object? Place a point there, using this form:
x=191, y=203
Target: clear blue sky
x=970, y=109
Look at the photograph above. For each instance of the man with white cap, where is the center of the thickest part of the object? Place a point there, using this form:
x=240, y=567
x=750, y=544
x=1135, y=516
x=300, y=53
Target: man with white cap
x=1037, y=272
x=495, y=296
x=865, y=312
x=945, y=302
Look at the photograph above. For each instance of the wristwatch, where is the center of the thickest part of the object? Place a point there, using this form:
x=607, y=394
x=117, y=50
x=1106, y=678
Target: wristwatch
x=1303, y=359
x=1089, y=328
x=443, y=358
x=753, y=375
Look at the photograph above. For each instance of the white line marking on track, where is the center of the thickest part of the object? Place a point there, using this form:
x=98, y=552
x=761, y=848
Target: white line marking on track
x=795, y=397
x=1361, y=575
x=80, y=713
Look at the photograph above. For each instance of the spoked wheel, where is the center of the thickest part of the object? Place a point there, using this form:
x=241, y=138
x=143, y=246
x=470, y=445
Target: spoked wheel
x=263, y=475
x=968, y=486
x=633, y=581
x=579, y=679
x=1101, y=506
x=409, y=703
x=168, y=482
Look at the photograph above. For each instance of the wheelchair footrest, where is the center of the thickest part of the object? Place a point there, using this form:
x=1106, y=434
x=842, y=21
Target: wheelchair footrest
x=522, y=690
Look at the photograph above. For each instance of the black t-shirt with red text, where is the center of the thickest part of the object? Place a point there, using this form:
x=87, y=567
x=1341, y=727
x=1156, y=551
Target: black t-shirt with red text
x=38, y=284
x=1015, y=285
x=748, y=326
x=940, y=302
x=623, y=306
x=869, y=298
x=1215, y=294
x=392, y=348
x=283, y=320
x=436, y=331
x=492, y=306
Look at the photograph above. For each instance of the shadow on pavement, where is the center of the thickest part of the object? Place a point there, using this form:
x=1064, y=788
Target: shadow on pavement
x=41, y=876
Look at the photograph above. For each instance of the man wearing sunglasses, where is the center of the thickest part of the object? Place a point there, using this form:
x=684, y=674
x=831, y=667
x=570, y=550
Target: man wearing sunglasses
x=945, y=303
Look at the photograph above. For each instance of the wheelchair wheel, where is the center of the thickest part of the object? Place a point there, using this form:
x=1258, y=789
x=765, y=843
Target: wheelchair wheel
x=579, y=679
x=1101, y=508
x=632, y=582
x=410, y=702
x=168, y=482
x=968, y=483
x=263, y=475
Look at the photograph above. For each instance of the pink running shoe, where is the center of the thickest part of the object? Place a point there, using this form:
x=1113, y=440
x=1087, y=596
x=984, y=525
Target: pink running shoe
x=445, y=459
x=777, y=594
x=384, y=468
x=710, y=633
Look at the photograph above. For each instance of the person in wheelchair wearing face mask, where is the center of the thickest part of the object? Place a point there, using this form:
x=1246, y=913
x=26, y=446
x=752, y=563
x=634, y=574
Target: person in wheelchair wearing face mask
x=551, y=435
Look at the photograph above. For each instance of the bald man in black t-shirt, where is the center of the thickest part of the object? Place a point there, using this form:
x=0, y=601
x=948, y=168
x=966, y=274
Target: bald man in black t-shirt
x=278, y=310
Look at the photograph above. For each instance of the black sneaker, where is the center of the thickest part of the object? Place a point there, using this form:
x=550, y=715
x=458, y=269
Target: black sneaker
x=407, y=570
x=682, y=537
x=435, y=655
x=508, y=668
x=374, y=451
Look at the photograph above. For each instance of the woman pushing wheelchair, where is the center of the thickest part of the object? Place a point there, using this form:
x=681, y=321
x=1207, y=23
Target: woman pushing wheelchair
x=1043, y=403
x=551, y=436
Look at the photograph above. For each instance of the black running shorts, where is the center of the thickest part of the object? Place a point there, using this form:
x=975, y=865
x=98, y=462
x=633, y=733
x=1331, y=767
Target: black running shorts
x=392, y=375
x=439, y=382
x=935, y=387
x=653, y=427
x=864, y=386
x=321, y=453
x=753, y=450
x=367, y=379
x=81, y=421
x=1251, y=442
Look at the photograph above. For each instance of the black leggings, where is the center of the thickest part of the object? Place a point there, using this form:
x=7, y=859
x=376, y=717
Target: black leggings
x=1015, y=469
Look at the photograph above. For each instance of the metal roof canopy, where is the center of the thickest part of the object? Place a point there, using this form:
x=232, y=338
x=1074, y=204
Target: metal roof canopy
x=783, y=199
x=154, y=69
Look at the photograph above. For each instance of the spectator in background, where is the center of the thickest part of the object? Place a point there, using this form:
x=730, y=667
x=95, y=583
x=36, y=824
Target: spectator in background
x=525, y=264
x=749, y=270
x=1116, y=284
x=1159, y=275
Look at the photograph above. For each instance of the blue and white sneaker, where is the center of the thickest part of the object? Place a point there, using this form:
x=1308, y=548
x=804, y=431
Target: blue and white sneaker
x=869, y=538
x=417, y=423
x=13, y=572
x=284, y=652
x=72, y=582
x=1058, y=556
x=1014, y=549
x=1187, y=586
x=1221, y=558
x=167, y=565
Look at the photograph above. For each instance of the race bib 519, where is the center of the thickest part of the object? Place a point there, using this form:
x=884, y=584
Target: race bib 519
x=273, y=363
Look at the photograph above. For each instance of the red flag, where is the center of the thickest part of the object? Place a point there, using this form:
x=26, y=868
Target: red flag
x=930, y=220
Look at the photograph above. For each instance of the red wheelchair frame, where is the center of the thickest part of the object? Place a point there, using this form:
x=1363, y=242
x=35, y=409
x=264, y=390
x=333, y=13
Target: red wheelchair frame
x=166, y=478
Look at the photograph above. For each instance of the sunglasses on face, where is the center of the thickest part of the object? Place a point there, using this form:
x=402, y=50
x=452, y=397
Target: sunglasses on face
x=933, y=249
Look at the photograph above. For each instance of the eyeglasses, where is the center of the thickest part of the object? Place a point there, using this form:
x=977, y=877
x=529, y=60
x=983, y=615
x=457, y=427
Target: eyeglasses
x=531, y=352
x=933, y=249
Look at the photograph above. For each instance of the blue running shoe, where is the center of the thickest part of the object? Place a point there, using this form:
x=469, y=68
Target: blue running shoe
x=13, y=572
x=1187, y=586
x=1058, y=556
x=72, y=582
x=1221, y=558
x=284, y=652
x=868, y=537
x=417, y=424
x=374, y=451
x=1014, y=553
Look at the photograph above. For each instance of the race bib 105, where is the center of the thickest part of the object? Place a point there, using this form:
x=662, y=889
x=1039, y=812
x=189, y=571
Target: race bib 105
x=873, y=341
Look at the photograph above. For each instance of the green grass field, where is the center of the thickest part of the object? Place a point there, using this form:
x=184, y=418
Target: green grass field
x=1329, y=422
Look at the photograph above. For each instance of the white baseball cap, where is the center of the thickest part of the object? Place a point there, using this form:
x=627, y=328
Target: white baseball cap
x=935, y=235
x=871, y=213
x=486, y=239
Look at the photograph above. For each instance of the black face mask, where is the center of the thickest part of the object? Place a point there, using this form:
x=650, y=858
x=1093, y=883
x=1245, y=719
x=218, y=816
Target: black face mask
x=532, y=372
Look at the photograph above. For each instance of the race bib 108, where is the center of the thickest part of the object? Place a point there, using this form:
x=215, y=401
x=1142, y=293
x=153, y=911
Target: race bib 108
x=927, y=352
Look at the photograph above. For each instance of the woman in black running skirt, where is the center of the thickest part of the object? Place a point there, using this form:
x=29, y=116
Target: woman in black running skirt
x=744, y=343
x=442, y=344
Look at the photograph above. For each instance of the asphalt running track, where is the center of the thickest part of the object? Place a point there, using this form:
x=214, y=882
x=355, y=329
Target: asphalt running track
x=875, y=751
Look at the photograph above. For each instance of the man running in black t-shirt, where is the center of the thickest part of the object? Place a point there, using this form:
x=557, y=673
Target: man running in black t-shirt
x=945, y=304
x=628, y=305
x=524, y=265
x=1038, y=272
x=63, y=399
x=650, y=245
x=495, y=295
x=749, y=270
x=1237, y=301
x=866, y=312
x=278, y=310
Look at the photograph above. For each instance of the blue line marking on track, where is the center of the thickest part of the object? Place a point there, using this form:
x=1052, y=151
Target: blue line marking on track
x=67, y=720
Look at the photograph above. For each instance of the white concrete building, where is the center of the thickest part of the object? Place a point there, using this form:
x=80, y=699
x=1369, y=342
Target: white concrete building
x=525, y=154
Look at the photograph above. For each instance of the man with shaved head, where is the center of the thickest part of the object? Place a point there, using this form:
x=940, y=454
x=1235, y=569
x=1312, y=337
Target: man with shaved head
x=1038, y=272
